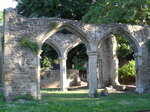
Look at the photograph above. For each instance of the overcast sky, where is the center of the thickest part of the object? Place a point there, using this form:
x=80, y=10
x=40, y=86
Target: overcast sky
x=6, y=4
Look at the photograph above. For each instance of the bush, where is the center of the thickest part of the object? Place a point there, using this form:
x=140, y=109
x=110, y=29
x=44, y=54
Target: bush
x=78, y=64
x=127, y=73
x=46, y=63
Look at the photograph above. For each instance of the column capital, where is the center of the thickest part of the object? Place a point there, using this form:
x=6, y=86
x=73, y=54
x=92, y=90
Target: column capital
x=92, y=53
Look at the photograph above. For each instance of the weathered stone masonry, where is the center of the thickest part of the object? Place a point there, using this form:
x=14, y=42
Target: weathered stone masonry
x=1, y=54
x=22, y=69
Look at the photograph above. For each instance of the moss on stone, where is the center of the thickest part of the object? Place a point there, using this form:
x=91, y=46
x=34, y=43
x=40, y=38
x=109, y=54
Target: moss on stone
x=25, y=42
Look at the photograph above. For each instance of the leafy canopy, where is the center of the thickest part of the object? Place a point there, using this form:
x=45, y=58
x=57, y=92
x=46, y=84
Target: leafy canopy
x=124, y=11
x=71, y=9
x=124, y=49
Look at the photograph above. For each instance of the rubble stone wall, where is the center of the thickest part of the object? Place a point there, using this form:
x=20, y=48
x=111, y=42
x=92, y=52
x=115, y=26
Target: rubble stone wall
x=1, y=54
x=51, y=78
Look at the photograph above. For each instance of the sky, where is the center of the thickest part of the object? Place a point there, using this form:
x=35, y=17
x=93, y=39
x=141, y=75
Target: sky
x=7, y=3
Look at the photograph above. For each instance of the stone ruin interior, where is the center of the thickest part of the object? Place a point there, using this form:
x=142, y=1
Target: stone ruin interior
x=20, y=66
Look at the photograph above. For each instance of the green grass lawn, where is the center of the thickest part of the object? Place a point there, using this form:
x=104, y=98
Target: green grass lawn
x=77, y=101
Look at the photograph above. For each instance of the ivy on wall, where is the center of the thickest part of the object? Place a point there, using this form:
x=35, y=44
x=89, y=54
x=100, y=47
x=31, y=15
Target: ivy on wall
x=25, y=42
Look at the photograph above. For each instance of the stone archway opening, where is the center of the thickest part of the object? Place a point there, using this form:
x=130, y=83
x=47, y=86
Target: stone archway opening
x=117, y=53
x=77, y=60
x=63, y=41
x=50, y=67
x=126, y=62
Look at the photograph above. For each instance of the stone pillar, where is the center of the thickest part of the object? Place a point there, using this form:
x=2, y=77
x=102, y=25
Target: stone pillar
x=100, y=73
x=108, y=62
x=139, y=84
x=92, y=67
x=114, y=63
x=63, y=73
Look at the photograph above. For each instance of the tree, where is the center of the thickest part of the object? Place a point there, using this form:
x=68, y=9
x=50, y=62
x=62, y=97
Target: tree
x=119, y=11
x=70, y=9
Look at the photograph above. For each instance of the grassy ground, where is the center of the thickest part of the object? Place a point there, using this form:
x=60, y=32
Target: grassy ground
x=77, y=101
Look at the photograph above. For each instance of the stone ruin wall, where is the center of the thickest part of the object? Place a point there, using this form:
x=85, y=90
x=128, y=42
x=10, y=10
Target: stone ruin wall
x=1, y=54
x=21, y=66
x=51, y=78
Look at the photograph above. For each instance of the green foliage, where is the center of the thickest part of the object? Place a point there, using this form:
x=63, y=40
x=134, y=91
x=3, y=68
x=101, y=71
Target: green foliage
x=1, y=16
x=78, y=56
x=53, y=25
x=71, y=9
x=115, y=11
x=25, y=42
x=46, y=63
x=127, y=71
x=27, y=97
x=148, y=45
x=50, y=54
x=78, y=63
x=124, y=49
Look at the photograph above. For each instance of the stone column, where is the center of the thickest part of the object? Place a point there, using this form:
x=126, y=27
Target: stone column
x=114, y=63
x=100, y=73
x=92, y=67
x=139, y=84
x=63, y=73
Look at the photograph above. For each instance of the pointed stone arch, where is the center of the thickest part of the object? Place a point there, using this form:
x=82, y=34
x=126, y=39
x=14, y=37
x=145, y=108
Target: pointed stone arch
x=122, y=30
x=134, y=42
x=54, y=47
x=67, y=26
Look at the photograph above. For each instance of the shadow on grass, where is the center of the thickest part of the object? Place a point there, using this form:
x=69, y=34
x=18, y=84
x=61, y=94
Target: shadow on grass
x=82, y=94
x=69, y=89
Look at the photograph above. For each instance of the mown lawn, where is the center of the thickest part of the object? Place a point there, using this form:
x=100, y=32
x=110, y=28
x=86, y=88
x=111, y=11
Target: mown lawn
x=77, y=101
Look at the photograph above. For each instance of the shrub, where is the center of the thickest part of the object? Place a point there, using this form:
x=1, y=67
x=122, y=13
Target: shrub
x=78, y=64
x=127, y=73
x=46, y=63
